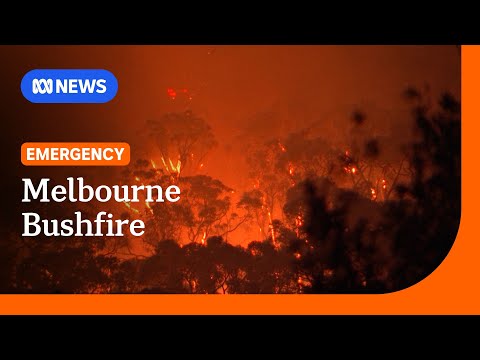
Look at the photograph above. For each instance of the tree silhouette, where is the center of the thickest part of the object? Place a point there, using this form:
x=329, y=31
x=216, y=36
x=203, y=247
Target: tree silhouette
x=399, y=242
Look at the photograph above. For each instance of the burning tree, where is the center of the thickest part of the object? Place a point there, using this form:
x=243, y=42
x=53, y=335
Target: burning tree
x=183, y=139
x=278, y=165
x=372, y=164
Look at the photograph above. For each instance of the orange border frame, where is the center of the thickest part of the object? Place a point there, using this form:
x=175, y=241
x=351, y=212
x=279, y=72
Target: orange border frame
x=453, y=288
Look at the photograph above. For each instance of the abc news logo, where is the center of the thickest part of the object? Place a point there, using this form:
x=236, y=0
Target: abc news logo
x=70, y=86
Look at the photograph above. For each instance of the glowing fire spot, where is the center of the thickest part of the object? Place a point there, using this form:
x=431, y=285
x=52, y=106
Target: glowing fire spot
x=354, y=170
x=201, y=165
x=298, y=221
x=374, y=193
x=290, y=169
x=282, y=148
x=298, y=225
x=327, y=272
x=297, y=255
x=384, y=184
x=137, y=178
x=204, y=237
x=171, y=93
x=153, y=164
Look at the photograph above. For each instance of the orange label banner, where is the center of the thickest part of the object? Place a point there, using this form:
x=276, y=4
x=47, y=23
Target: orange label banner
x=75, y=154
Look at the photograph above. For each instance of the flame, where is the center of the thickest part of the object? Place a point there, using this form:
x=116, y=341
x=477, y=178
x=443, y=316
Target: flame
x=175, y=168
x=353, y=170
x=130, y=208
x=204, y=237
x=172, y=168
x=201, y=165
x=282, y=148
x=384, y=184
x=298, y=224
x=147, y=204
x=272, y=230
x=178, y=167
x=298, y=221
x=297, y=255
x=137, y=178
x=255, y=252
x=290, y=168
x=165, y=164
x=153, y=164
x=374, y=193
